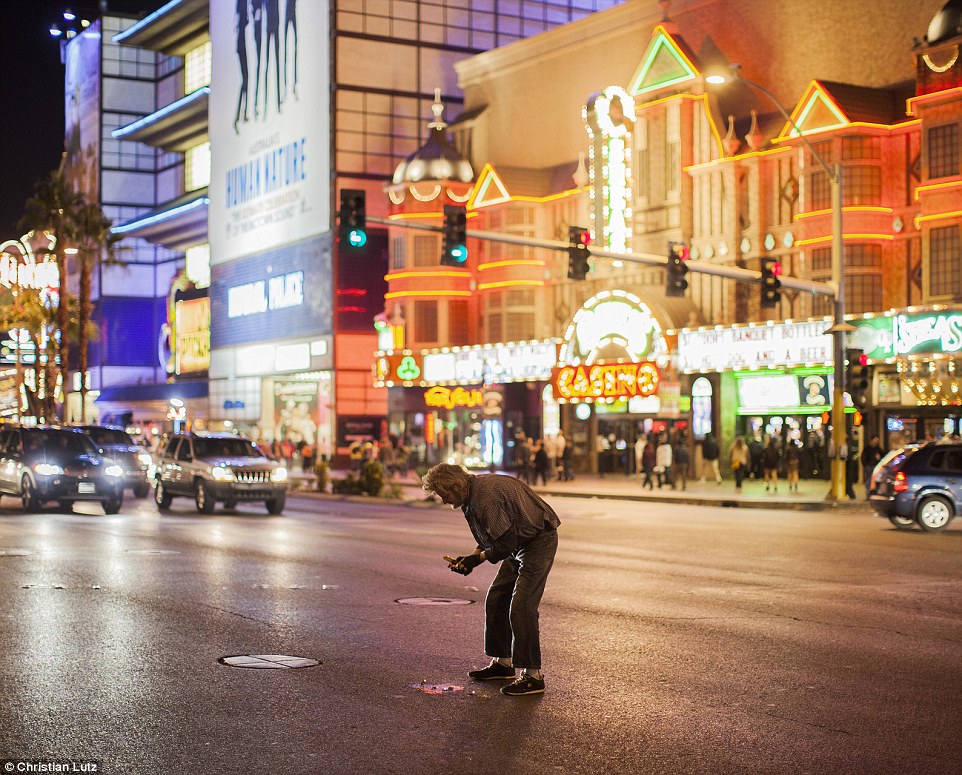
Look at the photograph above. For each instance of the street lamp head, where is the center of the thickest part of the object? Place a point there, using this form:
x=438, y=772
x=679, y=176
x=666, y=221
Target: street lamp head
x=719, y=76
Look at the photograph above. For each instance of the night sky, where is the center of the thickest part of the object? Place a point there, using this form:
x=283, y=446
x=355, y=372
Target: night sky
x=31, y=95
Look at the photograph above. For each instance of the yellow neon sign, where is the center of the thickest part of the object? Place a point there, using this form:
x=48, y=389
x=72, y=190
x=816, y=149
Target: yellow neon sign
x=447, y=398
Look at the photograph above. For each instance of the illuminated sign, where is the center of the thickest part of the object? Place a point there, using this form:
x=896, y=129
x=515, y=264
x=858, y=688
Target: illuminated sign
x=605, y=381
x=496, y=364
x=192, y=346
x=448, y=398
x=610, y=117
x=275, y=293
x=742, y=347
x=912, y=332
x=802, y=392
x=615, y=324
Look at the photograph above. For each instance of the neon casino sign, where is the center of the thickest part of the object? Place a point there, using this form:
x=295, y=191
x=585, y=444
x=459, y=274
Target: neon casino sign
x=612, y=325
x=605, y=381
x=610, y=117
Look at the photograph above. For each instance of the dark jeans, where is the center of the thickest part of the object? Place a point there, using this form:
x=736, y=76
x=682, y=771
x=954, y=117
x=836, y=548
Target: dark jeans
x=511, y=607
x=739, y=476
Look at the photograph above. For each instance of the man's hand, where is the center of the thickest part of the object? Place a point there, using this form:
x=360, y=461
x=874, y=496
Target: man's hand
x=464, y=564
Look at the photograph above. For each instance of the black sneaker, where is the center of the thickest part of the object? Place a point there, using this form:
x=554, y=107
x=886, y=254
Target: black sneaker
x=524, y=684
x=493, y=672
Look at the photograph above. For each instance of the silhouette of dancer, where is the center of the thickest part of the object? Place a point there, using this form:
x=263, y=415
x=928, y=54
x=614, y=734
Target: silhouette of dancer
x=290, y=25
x=241, y=29
x=257, y=18
x=273, y=21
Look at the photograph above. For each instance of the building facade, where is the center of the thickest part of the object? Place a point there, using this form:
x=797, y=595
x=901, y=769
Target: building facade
x=237, y=127
x=585, y=126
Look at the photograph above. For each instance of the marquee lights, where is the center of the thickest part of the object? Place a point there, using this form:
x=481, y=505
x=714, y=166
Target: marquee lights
x=605, y=381
x=613, y=318
x=609, y=118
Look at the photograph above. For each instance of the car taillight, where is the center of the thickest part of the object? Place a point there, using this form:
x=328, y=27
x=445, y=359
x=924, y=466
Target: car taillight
x=901, y=484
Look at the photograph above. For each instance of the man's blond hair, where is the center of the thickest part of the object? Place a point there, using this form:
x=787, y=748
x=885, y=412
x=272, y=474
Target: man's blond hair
x=447, y=481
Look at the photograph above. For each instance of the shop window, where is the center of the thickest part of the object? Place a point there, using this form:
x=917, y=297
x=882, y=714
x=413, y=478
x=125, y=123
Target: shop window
x=862, y=186
x=197, y=68
x=426, y=321
x=945, y=261
x=943, y=151
x=856, y=148
x=398, y=245
x=197, y=167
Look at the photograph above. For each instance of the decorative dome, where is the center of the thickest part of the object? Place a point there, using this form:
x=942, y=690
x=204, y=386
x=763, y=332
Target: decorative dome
x=946, y=24
x=437, y=159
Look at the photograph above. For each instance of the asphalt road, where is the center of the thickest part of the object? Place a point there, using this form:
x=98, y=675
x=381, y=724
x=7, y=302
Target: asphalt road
x=676, y=639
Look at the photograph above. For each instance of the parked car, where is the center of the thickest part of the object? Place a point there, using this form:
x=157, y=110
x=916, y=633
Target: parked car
x=217, y=467
x=919, y=483
x=57, y=464
x=116, y=444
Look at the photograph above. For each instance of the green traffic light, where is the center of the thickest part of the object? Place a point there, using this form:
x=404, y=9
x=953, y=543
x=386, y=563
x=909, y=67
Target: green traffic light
x=459, y=253
x=357, y=238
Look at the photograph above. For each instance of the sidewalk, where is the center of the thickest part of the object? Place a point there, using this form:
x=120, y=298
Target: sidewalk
x=811, y=494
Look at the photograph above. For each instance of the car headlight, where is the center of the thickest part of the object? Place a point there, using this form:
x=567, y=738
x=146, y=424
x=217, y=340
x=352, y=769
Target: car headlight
x=279, y=475
x=222, y=474
x=113, y=470
x=145, y=459
x=48, y=469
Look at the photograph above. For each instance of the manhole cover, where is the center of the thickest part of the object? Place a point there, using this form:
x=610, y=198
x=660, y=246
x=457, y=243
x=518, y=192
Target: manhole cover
x=268, y=661
x=433, y=601
x=152, y=551
x=14, y=552
x=427, y=688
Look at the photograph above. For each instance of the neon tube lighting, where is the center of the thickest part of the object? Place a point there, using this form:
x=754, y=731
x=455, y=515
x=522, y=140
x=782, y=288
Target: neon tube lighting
x=122, y=132
x=146, y=21
x=159, y=217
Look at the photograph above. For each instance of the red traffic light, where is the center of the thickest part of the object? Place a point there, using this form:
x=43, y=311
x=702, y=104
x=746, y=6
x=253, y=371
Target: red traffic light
x=863, y=360
x=776, y=268
x=585, y=237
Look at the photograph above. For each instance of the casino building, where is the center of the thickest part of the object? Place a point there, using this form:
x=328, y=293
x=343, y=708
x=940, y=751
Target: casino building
x=609, y=123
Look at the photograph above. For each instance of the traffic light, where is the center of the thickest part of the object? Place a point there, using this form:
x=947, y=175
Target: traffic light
x=579, y=239
x=857, y=377
x=454, y=252
x=353, y=227
x=677, y=268
x=771, y=285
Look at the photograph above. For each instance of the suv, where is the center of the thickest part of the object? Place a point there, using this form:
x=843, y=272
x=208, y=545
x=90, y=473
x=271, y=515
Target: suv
x=217, y=467
x=123, y=450
x=48, y=463
x=919, y=483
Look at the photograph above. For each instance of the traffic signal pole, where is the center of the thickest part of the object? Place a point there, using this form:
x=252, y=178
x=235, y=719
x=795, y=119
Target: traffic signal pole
x=650, y=259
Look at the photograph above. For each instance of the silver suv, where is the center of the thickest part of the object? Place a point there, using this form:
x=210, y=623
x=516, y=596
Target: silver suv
x=217, y=467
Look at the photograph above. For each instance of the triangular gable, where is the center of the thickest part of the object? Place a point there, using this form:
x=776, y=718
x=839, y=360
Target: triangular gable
x=664, y=64
x=489, y=190
x=817, y=111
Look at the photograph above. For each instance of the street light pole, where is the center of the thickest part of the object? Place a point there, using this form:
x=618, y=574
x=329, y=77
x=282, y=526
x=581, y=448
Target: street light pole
x=839, y=327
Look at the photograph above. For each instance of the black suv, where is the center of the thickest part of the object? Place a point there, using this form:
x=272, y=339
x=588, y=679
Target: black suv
x=919, y=483
x=48, y=463
x=218, y=467
x=116, y=444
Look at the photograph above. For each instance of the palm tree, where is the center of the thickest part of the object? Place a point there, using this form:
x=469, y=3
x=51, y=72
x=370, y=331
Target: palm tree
x=53, y=208
x=95, y=247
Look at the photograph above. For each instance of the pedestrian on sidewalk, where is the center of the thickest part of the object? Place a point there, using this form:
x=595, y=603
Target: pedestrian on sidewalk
x=740, y=461
x=710, y=454
x=563, y=455
x=640, y=445
x=680, y=459
x=663, y=462
x=513, y=526
x=540, y=462
x=771, y=458
x=792, y=457
x=871, y=456
x=648, y=466
x=550, y=444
